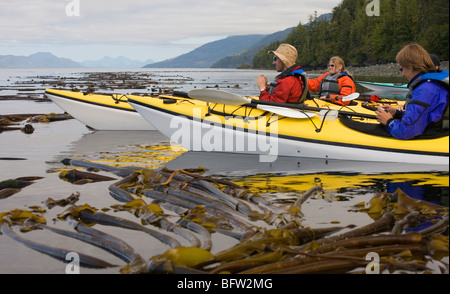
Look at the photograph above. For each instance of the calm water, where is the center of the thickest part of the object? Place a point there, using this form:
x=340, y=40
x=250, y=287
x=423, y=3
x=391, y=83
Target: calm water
x=345, y=183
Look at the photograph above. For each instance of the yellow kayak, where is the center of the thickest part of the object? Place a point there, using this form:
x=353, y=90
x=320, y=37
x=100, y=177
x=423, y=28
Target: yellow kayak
x=205, y=126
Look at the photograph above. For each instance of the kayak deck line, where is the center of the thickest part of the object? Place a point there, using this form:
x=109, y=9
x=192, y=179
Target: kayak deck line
x=91, y=102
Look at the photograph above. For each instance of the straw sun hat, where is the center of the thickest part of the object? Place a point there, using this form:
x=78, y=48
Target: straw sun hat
x=287, y=53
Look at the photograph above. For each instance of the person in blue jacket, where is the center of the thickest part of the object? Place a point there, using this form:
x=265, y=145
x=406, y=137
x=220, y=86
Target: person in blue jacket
x=426, y=107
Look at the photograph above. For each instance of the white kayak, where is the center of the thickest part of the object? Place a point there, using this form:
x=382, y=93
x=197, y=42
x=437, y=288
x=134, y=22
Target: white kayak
x=100, y=112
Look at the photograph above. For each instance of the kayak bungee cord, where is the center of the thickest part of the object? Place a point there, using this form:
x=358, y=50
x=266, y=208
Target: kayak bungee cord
x=119, y=99
x=246, y=117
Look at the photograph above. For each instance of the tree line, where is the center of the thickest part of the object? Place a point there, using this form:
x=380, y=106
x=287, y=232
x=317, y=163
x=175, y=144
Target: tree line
x=361, y=39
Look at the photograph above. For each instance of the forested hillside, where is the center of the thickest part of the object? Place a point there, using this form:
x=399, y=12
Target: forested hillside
x=245, y=57
x=363, y=40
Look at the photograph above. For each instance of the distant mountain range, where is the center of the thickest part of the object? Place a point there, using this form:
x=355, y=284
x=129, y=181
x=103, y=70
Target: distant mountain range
x=230, y=52
x=226, y=53
x=245, y=56
x=206, y=55
x=37, y=60
x=48, y=60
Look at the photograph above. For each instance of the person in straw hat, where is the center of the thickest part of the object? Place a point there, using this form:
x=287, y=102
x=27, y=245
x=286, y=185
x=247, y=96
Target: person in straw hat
x=290, y=85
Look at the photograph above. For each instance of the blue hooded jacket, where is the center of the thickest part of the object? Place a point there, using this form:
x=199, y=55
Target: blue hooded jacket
x=427, y=104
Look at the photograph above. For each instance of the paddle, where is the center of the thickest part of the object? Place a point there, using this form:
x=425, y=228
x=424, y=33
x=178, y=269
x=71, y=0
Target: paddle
x=227, y=98
x=288, y=112
x=350, y=97
x=217, y=96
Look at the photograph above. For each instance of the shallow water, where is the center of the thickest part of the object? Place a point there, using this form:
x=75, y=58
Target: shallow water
x=41, y=152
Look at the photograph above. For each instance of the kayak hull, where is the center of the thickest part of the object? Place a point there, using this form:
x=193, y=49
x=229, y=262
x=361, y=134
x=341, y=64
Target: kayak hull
x=196, y=128
x=99, y=112
x=385, y=87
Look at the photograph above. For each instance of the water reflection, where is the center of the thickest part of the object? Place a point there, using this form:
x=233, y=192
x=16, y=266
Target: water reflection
x=244, y=164
x=283, y=178
x=431, y=187
x=146, y=149
x=290, y=176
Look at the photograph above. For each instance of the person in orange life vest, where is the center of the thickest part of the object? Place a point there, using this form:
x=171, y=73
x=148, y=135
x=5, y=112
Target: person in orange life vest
x=334, y=84
x=290, y=85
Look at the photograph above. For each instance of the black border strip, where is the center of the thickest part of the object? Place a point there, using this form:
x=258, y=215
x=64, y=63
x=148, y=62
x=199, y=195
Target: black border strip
x=404, y=151
x=90, y=102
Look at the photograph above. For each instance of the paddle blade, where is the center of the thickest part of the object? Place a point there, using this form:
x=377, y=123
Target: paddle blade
x=350, y=97
x=217, y=96
x=286, y=111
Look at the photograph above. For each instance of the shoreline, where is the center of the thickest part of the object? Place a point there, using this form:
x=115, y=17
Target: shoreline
x=146, y=84
x=377, y=70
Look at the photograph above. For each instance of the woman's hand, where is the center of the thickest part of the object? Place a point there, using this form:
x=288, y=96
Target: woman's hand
x=385, y=113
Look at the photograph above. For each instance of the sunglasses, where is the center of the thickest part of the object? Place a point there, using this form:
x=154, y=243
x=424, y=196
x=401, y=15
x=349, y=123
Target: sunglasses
x=401, y=69
x=331, y=65
x=275, y=58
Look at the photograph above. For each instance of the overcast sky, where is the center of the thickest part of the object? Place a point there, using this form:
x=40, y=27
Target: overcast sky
x=141, y=29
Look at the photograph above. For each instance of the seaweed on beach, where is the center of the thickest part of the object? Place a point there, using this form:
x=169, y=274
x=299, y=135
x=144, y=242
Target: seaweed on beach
x=33, y=87
x=183, y=210
x=24, y=122
x=13, y=186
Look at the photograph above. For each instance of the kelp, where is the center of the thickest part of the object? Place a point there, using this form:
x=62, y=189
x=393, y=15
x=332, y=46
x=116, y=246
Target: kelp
x=113, y=245
x=28, y=218
x=72, y=199
x=13, y=186
x=79, y=177
x=58, y=253
x=10, y=122
x=182, y=210
x=88, y=216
